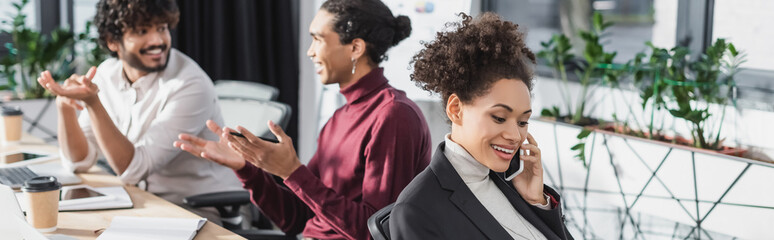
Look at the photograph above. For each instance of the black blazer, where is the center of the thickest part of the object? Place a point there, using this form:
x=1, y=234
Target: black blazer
x=438, y=205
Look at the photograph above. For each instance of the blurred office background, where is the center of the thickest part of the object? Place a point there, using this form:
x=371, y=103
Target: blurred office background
x=628, y=189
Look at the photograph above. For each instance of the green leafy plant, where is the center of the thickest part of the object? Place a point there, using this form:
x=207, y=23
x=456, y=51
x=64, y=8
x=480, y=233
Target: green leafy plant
x=580, y=148
x=595, y=55
x=557, y=52
x=670, y=83
x=694, y=96
x=550, y=112
x=31, y=52
x=686, y=89
x=592, y=72
x=648, y=78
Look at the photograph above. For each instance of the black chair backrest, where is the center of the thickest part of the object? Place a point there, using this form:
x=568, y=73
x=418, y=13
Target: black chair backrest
x=379, y=223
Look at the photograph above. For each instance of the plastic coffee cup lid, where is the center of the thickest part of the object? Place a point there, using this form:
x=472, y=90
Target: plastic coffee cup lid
x=41, y=184
x=11, y=111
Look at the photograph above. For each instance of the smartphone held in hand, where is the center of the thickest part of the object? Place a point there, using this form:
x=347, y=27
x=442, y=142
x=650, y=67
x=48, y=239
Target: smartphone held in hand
x=262, y=138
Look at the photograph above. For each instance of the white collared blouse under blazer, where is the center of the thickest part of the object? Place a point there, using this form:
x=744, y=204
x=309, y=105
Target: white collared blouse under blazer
x=476, y=177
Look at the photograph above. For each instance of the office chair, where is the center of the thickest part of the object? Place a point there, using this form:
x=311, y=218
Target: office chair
x=244, y=89
x=379, y=223
x=251, y=114
x=228, y=204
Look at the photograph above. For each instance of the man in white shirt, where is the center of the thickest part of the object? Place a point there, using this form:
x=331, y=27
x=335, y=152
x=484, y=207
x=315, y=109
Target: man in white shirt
x=138, y=102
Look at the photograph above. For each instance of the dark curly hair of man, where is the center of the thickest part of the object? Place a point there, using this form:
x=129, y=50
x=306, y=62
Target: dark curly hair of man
x=371, y=21
x=114, y=17
x=466, y=61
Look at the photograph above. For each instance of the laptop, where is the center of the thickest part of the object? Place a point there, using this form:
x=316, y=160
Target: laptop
x=14, y=175
x=13, y=225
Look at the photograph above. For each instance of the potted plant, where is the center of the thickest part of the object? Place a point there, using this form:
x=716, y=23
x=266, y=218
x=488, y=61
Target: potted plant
x=669, y=83
x=646, y=75
x=672, y=84
x=31, y=52
x=557, y=53
x=693, y=97
x=641, y=153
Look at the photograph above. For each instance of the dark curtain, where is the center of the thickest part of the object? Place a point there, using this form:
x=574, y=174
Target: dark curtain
x=247, y=40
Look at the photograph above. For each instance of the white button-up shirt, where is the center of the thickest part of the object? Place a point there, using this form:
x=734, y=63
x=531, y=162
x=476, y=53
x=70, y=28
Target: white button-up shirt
x=151, y=113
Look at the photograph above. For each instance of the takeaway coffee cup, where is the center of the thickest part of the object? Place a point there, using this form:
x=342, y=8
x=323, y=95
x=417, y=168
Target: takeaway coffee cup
x=10, y=125
x=42, y=194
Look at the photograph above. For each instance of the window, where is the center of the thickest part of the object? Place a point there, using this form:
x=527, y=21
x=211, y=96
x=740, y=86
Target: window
x=747, y=25
x=9, y=11
x=666, y=23
x=635, y=21
x=83, y=11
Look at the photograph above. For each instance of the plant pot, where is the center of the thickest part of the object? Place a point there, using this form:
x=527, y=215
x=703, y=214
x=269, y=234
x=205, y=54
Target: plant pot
x=680, y=141
x=584, y=121
x=732, y=151
x=620, y=129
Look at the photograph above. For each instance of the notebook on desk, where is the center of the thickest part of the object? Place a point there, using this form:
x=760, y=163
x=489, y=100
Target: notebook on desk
x=152, y=228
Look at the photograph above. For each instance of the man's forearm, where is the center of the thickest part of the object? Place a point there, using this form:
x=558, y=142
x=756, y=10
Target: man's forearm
x=71, y=138
x=118, y=150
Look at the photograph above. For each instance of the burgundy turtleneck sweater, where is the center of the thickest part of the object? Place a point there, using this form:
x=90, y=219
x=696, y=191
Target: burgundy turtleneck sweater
x=369, y=150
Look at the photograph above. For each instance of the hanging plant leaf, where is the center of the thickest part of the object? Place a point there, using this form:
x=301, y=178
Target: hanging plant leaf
x=584, y=133
x=578, y=146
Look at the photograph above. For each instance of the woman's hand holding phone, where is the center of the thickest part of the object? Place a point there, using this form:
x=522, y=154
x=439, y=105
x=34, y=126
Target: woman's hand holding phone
x=529, y=183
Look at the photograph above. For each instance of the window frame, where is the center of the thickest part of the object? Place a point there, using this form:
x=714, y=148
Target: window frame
x=695, y=18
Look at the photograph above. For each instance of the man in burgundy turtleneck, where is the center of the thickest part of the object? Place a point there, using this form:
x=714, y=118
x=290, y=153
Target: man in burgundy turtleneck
x=369, y=150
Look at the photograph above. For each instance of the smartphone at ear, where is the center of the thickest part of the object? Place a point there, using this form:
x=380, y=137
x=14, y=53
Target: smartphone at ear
x=516, y=166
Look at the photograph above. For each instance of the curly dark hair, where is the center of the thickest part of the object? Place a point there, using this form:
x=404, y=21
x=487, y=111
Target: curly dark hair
x=371, y=21
x=467, y=60
x=116, y=16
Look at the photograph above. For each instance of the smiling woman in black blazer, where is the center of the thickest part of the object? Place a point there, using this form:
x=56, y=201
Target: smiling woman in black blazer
x=483, y=71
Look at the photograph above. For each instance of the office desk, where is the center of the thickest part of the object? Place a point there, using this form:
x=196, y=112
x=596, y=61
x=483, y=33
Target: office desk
x=88, y=224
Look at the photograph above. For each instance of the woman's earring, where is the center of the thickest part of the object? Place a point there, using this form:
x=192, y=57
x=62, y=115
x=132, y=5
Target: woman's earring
x=354, y=65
